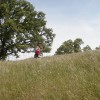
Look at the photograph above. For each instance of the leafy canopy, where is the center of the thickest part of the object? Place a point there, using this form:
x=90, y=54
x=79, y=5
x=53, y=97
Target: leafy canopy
x=70, y=46
x=22, y=28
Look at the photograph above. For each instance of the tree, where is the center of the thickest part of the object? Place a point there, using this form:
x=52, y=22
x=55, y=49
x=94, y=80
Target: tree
x=77, y=44
x=87, y=48
x=66, y=47
x=60, y=50
x=0, y=1
x=70, y=46
x=21, y=28
x=97, y=47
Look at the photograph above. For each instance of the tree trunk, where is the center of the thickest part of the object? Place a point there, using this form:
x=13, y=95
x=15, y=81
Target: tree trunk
x=3, y=51
x=0, y=1
x=2, y=54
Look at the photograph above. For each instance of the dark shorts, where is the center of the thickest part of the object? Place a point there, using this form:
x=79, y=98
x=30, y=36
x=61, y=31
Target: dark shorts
x=36, y=56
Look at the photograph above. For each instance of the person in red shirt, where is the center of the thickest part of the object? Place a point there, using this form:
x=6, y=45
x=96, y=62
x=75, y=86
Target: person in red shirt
x=37, y=52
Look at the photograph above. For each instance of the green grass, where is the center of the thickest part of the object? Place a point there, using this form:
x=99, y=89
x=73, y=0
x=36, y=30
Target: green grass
x=65, y=77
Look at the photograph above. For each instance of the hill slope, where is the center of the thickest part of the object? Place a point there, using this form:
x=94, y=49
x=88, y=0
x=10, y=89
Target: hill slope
x=64, y=77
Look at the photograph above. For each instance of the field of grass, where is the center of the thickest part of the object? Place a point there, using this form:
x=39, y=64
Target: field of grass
x=64, y=77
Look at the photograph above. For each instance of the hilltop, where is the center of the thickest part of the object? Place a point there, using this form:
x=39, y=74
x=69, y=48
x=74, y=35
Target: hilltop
x=62, y=77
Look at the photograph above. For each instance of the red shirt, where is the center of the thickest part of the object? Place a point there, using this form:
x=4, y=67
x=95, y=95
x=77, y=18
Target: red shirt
x=37, y=52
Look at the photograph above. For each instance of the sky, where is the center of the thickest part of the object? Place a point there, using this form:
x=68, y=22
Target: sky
x=70, y=19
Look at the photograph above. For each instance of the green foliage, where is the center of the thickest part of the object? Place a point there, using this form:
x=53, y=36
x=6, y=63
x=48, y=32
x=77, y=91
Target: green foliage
x=70, y=46
x=67, y=47
x=21, y=28
x=77, y=45
x=86, y=48
x=66, y=77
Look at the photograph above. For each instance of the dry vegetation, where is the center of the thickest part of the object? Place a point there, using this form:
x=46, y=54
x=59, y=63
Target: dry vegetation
x=65, y=77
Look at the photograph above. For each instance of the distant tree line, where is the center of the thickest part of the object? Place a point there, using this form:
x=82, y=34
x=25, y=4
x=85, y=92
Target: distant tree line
x=97, y=47
x=70, y=46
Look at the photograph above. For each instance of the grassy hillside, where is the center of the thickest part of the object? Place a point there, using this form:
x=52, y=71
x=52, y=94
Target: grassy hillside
x=64, y=77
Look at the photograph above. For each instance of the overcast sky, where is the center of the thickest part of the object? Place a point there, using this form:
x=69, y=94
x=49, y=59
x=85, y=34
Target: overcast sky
x=71, y=19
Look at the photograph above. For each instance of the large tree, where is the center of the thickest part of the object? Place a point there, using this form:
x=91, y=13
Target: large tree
x=21, y=28
x=70, y=46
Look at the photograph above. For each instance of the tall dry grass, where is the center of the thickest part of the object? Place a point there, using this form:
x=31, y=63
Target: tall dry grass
x=65, y=77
